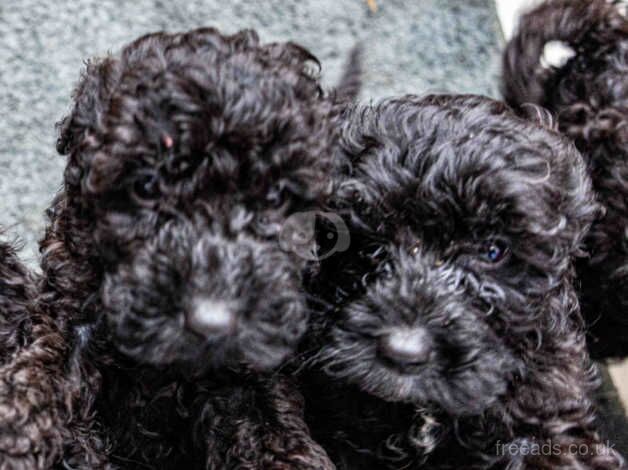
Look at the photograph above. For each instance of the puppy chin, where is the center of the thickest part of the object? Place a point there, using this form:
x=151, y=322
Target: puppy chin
x=238, y=353
x=193, y=356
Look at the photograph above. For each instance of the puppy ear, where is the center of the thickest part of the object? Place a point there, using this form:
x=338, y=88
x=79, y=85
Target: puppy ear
x=90, y=99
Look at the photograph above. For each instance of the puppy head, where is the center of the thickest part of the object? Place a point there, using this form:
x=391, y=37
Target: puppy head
x=217, y=132
x=473, y=215
x=190, y=296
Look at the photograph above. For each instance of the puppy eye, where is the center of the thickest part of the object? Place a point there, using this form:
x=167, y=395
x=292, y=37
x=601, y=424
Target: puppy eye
x=494, y=251
x=146, y=186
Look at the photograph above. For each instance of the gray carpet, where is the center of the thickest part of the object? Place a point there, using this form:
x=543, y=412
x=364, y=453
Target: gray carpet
x=410, y=47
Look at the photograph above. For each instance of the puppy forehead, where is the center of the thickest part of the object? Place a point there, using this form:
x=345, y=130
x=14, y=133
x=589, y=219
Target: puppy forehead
x=448, y=136
x=463, y=163
x=255, y=149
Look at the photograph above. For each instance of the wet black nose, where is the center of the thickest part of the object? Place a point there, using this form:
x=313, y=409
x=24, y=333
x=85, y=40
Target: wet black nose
x=406, y=346
x=208, y=317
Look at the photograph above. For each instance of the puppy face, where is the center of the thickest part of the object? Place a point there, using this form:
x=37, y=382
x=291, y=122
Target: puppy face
x=472, y=216
x=190, y=151
x=192, y=297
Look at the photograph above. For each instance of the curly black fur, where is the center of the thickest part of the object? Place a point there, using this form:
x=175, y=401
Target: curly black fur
x=455, y=324
x=35, y=401
x=162, y=268
x=221, y=132
x=589, y=94
x=187, y=269
x=16, y=298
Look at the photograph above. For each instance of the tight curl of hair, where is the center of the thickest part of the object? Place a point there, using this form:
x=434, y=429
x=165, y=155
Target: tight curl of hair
x=35, y=399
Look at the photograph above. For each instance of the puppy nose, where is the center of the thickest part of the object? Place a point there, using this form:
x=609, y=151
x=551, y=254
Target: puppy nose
x=406, y=346
x=209, y=317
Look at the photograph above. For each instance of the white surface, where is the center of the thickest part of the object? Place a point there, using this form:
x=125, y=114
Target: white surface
x=509, y=12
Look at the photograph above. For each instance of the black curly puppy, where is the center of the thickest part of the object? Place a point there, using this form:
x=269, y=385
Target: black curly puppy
x=455, y=328
x=186, y=154
x=589, y=95
x=223, y=133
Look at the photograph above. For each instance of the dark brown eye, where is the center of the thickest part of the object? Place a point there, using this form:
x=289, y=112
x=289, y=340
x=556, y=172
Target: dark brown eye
x=146, y=186
x=494, y=251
